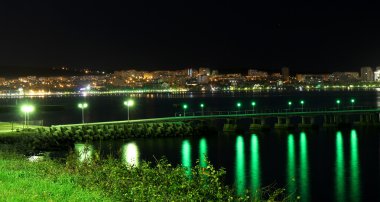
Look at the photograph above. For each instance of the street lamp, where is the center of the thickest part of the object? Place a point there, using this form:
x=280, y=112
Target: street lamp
x=184, y=109
x=129, y=103
x=202, y=107
x=352, y=102
x=253, y=106
x=27, y=109
x=338, y=103
x=238, y=105
x=290, y=104
x=83, y=105
x=302, y=102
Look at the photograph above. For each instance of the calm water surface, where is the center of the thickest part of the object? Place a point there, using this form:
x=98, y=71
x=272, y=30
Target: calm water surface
x=107, y=108
x=324, y=165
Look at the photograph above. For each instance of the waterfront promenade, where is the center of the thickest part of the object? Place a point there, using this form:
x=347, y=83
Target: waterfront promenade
x=304, y=117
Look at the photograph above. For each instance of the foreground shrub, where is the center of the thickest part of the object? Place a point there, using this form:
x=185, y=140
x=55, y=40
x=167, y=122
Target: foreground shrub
x=158, y=182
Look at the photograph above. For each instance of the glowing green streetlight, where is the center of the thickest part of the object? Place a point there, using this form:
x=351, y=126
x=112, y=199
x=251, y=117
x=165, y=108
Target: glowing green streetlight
x=238, y=105
x=184, y=109
x=290, y=104
x=253, y=103
x=27, y=109
x=83, y=106
x=202, y=108
x=352, y=102
x=337, y=103
x=129, y=103
x=302, y=102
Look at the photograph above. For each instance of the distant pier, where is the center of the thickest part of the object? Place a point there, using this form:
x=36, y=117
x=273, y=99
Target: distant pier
x=283, y=119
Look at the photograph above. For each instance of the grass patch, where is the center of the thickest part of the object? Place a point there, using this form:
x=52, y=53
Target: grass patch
x=8, y=127
x=21, y=180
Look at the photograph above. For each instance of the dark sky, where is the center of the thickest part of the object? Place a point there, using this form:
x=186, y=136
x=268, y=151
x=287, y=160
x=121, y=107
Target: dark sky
x=307, y=36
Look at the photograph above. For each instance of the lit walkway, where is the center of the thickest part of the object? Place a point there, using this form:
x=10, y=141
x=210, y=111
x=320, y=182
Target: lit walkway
x=245, y=114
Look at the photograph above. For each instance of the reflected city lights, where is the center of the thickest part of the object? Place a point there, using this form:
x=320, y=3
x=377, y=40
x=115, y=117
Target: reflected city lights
x=84, y=152
x=131, y=154
x=203, y=152
x=255, y=164
x=240, y=166
x=186, y=156
x=339, y=168
x=354, y=168
x=304, y=168
x=291, y=166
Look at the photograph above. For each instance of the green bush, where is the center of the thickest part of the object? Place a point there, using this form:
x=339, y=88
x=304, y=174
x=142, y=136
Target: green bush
x=159, y=182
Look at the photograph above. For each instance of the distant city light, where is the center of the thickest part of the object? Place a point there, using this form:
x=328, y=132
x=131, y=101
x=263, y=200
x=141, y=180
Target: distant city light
x=177, y=81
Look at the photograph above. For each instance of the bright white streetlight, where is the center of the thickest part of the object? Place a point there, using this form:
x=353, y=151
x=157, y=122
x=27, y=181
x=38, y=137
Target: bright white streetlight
x=27, y=109
x=129, y=103
x=83, y=106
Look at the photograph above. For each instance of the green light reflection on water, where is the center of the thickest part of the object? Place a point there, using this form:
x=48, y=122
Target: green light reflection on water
x=291, y=166
x=84, y=152
x=304, y=168
x=354, y=168
x=186, y=156
x=339, y=168
x=255, y=163
x=131, y=154
x=240, y=166
x=203, y=152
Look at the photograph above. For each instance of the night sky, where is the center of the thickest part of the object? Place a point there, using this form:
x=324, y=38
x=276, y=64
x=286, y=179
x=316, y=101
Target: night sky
x=307, y=36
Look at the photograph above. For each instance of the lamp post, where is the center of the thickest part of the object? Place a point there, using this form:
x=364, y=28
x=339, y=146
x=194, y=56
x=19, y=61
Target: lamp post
x=82, y=106
x=253, y=106
x=289, y=105
x=352, y=102
x=129, y=103
x=27, y=109
x=302, y=102
x=238, y=105
x=184, y=109
x=337, y=103
x=202, y=108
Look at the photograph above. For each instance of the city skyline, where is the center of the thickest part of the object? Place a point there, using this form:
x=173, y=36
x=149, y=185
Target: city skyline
x=14, y=72
x=224, y=35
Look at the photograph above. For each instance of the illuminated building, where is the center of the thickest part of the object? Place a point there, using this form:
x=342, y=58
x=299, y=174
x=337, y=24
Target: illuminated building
x=285, y=73
x=377, y=75
x=254, y=74
x=204, y=71
x=366, y=74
